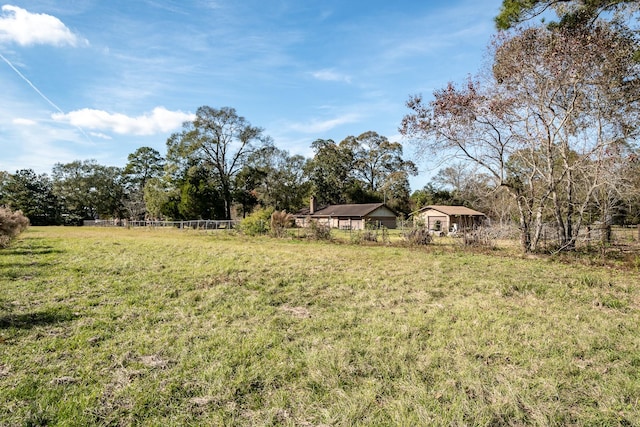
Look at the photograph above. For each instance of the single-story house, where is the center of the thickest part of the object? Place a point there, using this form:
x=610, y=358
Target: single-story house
x=439, y=218
x=348, y=217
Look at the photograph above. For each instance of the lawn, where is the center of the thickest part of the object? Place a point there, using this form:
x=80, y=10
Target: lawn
x=170, y=327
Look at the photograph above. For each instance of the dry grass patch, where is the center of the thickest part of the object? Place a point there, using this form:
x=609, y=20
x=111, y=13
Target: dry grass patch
x=299, y=312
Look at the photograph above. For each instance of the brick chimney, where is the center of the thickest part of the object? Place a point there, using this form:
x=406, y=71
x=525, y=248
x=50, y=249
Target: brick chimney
x=312, y=205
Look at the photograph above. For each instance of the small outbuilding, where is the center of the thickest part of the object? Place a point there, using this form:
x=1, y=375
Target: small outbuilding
x=448, y=219
x=349, y=216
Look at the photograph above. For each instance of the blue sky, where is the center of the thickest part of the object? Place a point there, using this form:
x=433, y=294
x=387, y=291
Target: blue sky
x=96, y=79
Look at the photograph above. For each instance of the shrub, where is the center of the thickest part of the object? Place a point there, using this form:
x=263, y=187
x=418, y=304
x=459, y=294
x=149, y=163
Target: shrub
x=370, y=236
x=280, y=221
x=386, y=239
x=371, y=232
x=257, y=223
x=356, y=237
x=12, y=223
x=482, y=237
x=418, y=236
x=319, y=231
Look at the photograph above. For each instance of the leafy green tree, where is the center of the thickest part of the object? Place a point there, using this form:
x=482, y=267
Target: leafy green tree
x=363, y=169
x=186, y=193
x=572, y=13
x=144, y=164
x=380, y=171
x=161, y=199
x=396, y=192
x=33, y=195
x=223, y=140
x=431, y=194
x=356, y=191
x=88, y=190
x=278, y=178
x=376, y=160
x=247, y=180
x=330, y=171
x=200, y=196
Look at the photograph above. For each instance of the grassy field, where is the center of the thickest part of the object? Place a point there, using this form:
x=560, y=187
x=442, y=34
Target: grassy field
x=172, y=327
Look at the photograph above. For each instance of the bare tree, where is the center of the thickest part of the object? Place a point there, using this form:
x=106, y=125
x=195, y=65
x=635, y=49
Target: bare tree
x=550, y=123
x=476, y=189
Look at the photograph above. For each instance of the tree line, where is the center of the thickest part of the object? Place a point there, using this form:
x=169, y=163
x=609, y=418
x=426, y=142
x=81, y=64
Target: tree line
x=218, y=166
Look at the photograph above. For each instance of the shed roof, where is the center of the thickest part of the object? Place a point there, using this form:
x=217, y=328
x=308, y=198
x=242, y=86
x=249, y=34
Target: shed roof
x=354, y=210
x=453, y=210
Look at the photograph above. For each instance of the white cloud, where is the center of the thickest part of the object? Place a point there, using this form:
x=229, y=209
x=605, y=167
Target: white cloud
x=331, y=76
x=100, y=135
x=24, y=122
x=160, y=120
x=316, y=126
x=25, y=28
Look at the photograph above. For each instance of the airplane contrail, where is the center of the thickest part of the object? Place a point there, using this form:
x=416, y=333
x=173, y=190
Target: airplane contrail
x=22, y=76
x=30, y=84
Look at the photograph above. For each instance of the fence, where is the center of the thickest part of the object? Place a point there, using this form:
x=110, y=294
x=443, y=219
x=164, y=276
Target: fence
x=594, y=235
x=197, y=224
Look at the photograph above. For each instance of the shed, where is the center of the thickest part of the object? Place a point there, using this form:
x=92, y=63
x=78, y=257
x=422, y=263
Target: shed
x=442, y=218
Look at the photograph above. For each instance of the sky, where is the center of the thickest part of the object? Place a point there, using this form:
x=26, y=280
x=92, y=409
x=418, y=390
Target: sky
x=98, y=79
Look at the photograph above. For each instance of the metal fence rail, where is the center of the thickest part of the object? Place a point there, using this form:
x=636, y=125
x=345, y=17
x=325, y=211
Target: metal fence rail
x=196, y=224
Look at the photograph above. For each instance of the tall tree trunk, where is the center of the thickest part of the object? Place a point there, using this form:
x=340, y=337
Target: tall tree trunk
x=560, y=225
x=537, y=231
x=571, y=239
x=228, y=199
x=525, y=232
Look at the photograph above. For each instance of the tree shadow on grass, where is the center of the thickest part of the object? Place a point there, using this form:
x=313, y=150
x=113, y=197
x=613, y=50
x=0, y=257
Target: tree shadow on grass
x=41, y=250
x=24, y=264
x=38, y=318
x=15, y=259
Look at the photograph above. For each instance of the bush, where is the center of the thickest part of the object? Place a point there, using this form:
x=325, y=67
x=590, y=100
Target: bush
x=370, y=235
x=280, y=221
x=319, y=231
x=361, y=236
x=11, y=224
x=257, y=223
x=481, y=237
x=356, y=237
x=418, y=236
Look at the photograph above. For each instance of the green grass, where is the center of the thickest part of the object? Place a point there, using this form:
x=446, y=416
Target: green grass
x=171, y=327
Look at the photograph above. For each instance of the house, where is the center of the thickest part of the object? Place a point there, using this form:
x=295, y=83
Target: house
x=348, y=217
x=445, y=219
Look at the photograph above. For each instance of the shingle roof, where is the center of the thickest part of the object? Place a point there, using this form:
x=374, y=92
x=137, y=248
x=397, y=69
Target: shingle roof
x=453, y=210
x=359, y=210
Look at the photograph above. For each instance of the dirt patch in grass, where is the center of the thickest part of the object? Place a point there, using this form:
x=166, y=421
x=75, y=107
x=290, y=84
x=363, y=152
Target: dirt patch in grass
x=154, y=361
x=299, y=312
